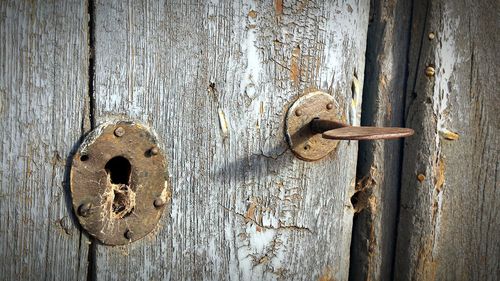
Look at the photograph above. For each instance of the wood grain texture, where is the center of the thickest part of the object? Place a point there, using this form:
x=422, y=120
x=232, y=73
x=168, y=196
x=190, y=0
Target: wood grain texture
x=450, y=213
x=43, y=90
x=214, y=80
x=379, y=162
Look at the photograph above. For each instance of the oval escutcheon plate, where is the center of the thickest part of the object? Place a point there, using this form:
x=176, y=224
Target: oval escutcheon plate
x=119, y=182
x=306, y=144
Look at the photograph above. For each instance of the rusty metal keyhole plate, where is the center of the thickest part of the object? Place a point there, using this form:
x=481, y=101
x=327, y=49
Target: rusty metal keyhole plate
x=306, y=144
x=119, y=183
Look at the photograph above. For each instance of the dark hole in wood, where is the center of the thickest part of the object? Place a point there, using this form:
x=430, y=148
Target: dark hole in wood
x=121, y=201
x=84, y=157
x=118, y=168
x=355, y=199
x=353, y=90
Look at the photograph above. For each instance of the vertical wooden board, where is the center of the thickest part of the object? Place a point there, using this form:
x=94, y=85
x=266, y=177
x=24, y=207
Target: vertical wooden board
x=450, y=218
x=214, y=80
x=43, y=88
x=379, y=162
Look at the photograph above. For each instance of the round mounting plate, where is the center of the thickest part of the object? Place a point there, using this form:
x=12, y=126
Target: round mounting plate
x=119, y=185
x=306, y=144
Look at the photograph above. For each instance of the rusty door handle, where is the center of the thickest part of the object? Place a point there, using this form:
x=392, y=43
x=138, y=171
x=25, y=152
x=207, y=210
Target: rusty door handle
x=313, y=127
x=335, y=130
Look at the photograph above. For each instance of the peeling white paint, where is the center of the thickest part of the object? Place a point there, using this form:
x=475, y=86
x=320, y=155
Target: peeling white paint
x=233, y=261
x=446, y=59
x=261, y=239
x=253, y=69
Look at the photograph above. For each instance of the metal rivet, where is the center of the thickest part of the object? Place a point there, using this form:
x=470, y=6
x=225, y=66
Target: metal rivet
x=421, y=177
x=155, y=151
x=432, y=35
x=129, y=234
x=298, y=112
x=329, y=106
x=158, y=203
x=119, y=132
x=430, y=71
x=84, y=209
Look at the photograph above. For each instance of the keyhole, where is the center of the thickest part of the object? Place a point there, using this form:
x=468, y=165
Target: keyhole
x=118, y=168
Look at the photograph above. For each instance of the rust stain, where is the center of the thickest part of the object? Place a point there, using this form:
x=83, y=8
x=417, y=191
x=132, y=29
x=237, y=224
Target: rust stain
x=250, y=212
x=439, y=172
x=278, y=5
x=426, y=265
x=294, y=66
x=327, y=275
x=252, y=14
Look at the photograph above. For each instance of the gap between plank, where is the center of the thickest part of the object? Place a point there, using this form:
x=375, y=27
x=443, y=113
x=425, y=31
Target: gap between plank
x=91, y=257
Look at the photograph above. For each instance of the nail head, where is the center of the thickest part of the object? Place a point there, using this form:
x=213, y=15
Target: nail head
x=119, y=131
x=84, y=209
x=329, y=106
x=129, y=234
x=158, y=203
x=430, y=71
x=421, y=177
x=298, y=112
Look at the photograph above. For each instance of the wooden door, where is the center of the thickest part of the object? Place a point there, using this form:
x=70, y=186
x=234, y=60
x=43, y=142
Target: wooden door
x=214, y=79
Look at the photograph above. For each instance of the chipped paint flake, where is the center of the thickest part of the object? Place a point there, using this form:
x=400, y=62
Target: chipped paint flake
x=448, y=135
x=223, y=123
x=278, y=7
x=295, y=66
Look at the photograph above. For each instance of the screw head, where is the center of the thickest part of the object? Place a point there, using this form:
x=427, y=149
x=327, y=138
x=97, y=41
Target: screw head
x=154, y=151
x=158, y=203
x=119, y=131
x=430, y=71
x=329, y=106
x=84, y=209
x=129, y=234
x=298, y=112
x=432, y=35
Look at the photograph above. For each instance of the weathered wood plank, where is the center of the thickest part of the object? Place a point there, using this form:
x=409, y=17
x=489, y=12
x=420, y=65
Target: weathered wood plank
x=43, y=89
x=214, y=80
x=379, y=162
x=450, y=214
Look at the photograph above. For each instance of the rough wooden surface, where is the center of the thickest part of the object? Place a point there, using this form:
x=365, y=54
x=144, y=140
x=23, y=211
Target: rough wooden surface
x=379, y=162
x=214, y=80
x=43, y=90
x=450, y=212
